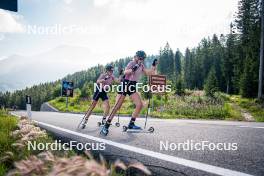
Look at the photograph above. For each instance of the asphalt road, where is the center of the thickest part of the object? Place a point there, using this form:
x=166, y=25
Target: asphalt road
x=245, y=157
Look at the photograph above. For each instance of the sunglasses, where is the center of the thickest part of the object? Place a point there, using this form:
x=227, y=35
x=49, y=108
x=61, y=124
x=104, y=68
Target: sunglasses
x=141, y=58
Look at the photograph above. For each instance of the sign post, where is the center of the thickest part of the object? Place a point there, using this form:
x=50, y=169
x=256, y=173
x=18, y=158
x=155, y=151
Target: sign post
x=157, y=85
x=28, y=106
x=67, y=91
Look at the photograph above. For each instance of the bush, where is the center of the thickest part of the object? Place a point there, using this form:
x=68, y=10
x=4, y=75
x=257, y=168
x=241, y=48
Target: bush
x=57, y=91
x=211, y=84
x=86, y=90
x=7, y=125
x=61, y=99
x=193, y=107
x=179, y=87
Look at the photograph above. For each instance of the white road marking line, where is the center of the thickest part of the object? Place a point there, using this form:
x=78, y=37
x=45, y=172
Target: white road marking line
x=161, y=156
x=14, y=114
x=251, y=127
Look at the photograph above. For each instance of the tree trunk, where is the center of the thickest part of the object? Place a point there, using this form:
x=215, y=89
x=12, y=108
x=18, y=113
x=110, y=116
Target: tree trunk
x=227, y=87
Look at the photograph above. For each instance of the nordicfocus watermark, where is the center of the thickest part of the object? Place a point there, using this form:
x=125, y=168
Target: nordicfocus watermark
x=58, y=145
x=191, y=145
x=59, y=29
x=128, y=87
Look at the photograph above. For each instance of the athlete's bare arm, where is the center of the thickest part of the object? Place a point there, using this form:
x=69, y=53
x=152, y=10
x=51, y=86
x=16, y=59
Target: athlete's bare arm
x=118, y=80
x=151, y=71
x=128, y=71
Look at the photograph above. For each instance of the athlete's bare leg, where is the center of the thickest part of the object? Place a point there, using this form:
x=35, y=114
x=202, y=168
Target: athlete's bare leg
x=90, y=110
x=119, y=101
x=135, y=97
x=106, y=108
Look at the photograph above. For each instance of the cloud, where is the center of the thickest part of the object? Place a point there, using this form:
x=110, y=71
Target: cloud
x=9, y=23
x=68, y=9
x=117, y=28
x=3, y=57
x=2, y=37
x=98, y=3
x=68, y=1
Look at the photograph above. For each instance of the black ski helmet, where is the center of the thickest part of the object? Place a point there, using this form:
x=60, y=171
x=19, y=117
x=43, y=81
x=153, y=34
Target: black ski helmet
x=141, y=54
x=109, y=68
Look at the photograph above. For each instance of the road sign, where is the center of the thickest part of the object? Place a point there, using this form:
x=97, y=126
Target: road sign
x=28, y=106
x=28, y=99
x=158, y=83
x=67, y=89
x=8, y=5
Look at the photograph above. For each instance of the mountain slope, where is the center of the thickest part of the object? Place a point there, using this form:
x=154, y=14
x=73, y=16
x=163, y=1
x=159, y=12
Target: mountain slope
x=17, y=72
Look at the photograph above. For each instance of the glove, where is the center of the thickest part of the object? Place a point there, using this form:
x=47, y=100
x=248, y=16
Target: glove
x=154, y=63
x=121, y=71
x=106, y=78
x=135, y=67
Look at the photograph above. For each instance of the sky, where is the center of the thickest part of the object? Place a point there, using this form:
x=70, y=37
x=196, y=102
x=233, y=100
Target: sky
x=111, y=29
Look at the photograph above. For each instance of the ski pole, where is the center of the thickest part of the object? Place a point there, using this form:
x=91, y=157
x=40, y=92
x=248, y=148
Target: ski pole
x=148, y=110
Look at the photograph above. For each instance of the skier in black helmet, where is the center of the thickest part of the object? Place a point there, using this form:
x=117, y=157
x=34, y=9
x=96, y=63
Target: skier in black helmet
x=105, y=79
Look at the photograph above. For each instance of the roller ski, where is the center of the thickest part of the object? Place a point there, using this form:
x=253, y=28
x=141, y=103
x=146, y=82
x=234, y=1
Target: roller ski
x=134, y=128
x=83, y=123
x=117, y=124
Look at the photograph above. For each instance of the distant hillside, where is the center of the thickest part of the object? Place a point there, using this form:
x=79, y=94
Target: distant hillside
x=18, y=72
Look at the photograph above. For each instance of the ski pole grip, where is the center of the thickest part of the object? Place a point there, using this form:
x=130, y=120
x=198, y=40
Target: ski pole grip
x=154, y=63
x=135, y=67
x=121, y=72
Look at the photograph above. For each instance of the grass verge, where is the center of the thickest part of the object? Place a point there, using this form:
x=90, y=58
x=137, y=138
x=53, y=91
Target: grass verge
x=253, y=106
x=192, y=105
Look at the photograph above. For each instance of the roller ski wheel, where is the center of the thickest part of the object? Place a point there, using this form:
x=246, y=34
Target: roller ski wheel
x=125, y=128
x=117, y=124
x=151, y=129
x=79, y=125
x=83, y=126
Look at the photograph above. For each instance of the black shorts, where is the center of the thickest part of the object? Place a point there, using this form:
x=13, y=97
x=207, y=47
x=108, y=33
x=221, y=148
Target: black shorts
x=98, y=94
x=129, y=87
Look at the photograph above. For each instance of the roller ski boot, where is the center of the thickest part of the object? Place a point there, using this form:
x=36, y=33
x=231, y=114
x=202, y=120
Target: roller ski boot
x=102, y=122
x=104, y=131
x=132, y=126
